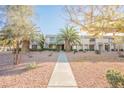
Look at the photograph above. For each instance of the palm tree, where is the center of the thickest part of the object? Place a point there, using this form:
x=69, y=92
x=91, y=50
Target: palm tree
x=70, y=36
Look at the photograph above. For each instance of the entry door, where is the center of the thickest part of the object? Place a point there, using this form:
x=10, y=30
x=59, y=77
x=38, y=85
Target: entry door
x=107, y=47
x=62, y=47
x=91, y=47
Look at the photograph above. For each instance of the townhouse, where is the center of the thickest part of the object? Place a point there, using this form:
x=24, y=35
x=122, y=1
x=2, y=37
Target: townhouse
x=87, y=43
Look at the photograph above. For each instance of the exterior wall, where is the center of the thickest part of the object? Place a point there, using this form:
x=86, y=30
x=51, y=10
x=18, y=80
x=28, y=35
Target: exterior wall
x=103, y=44
x=51, y=39
x=85, y=43
x=34, y=43
x=52, y=46
x=51, y=42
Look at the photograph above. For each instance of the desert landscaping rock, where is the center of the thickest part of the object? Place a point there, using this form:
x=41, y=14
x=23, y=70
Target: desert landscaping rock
x=19, y=76
x=90, y=72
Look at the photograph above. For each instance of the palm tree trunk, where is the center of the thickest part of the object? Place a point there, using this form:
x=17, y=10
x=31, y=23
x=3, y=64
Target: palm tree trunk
x=67, y=46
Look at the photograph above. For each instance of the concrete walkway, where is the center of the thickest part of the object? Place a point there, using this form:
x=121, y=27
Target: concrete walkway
x=62, y=75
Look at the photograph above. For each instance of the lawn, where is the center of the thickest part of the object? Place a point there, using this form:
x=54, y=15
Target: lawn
x=20, y=76
x=89, y=68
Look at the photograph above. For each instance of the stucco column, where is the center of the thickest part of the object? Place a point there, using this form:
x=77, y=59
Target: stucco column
x=110, y=47
x=82, y=47
x=103, y=49
x=96, y=46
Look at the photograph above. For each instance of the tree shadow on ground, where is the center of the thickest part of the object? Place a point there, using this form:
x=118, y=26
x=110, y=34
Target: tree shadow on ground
x=7, y=67
x=17, y=69
x=12, y=70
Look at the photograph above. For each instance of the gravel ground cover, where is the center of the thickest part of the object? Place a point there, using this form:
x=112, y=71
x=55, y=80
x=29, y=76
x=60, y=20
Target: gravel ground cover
x=20, y=76
x=89, y=68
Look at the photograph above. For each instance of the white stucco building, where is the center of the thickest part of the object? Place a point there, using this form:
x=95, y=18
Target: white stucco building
x=87, y=43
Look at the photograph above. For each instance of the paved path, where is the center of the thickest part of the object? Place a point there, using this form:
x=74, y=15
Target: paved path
x=62, y=75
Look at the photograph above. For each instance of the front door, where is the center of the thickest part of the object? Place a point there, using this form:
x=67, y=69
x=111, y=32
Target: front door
x=91, y=47
x=62, y=47
x=107, y=47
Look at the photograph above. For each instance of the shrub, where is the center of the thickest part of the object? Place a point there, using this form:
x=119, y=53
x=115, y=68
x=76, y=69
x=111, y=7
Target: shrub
x=120, y=55
x=75, y=50
x=32, y=66
x=81, y=50
x=112, y=50
x=36, y=49
x=115, y=78
x=49, y=49
x=97, y=52
x=121, y=50
x=91, y=49
x=86, y=49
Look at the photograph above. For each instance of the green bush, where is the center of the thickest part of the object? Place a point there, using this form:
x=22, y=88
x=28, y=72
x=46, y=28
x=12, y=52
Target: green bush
x=86, y=49
x=32, y=66
x=36, y=49
x=97, y=51
x=81, y=50
x=115, y=78
x=49, y=49
x=75, y=50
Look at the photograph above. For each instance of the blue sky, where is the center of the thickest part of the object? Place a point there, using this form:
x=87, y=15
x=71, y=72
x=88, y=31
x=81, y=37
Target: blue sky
x=50, y=18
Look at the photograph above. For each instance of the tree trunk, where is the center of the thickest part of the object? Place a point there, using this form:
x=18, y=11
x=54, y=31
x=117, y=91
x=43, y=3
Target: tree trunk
x=114, y=42
x=102, y=39
x=25, y=45
x=16, y=55
x=67, y=46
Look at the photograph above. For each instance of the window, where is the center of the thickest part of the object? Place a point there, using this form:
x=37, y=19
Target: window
x=52, y=38
x=34, y=46
x=92, y=39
